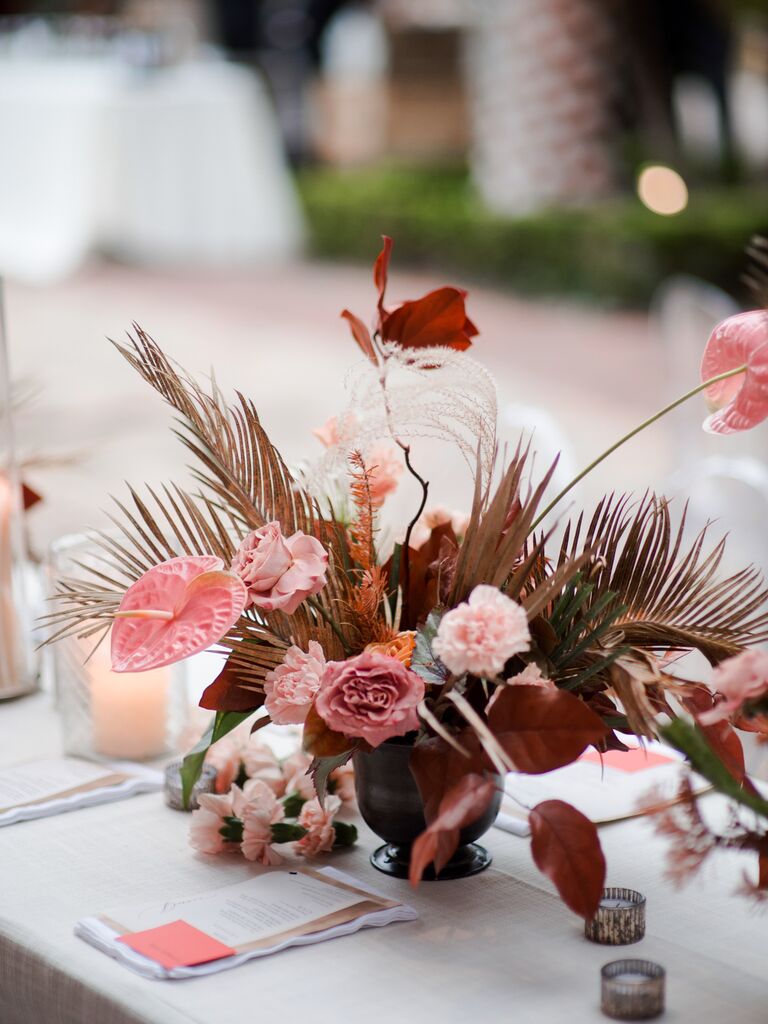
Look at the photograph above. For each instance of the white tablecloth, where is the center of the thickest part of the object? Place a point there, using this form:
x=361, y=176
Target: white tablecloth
x=497, y=947
x=172, y=165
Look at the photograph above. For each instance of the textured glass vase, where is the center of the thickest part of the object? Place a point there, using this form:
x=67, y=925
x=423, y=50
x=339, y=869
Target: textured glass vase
x=107, y=715
x=18, y=662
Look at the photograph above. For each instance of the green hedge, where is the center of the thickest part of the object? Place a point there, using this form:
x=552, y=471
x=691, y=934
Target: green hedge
x=615, y=253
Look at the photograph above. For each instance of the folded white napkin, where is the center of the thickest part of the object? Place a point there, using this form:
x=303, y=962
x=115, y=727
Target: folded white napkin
x=28, y=780
x=99, y=934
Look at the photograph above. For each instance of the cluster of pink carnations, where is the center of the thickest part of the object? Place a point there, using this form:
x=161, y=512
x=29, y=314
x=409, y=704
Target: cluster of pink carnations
x=263, y=803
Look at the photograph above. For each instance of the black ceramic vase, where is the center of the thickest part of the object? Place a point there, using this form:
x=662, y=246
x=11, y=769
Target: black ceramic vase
x=391, y=806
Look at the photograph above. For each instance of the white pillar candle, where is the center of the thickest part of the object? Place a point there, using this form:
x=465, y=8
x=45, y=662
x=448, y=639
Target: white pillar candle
x=129, y=710
x=8, y=624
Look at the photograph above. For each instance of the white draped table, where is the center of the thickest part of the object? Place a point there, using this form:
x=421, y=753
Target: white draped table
x=497, y=947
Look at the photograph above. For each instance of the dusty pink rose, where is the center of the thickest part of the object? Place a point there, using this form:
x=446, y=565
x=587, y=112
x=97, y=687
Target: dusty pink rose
x=318, y=821
x=385, y=468
x=280, y=572
x=482, y=634
x=738, y=679
x=260, y=812
x=292, y=687
x=334, y=432
x=370, y=696
x=205, y=827
x=739, y=402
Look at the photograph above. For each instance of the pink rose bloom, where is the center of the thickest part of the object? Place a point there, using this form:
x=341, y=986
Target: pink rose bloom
x=280, y=572
x=332, y=432
x=205, y=827
x=260, y=762
x=370, y=696
x=738, y=679
x=292, y=687
x=261, y=810
x=384, y=471
x=482, y=634
x=318, y=821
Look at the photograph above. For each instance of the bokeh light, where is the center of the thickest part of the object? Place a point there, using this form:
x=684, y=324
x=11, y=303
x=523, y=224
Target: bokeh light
x=662, y=190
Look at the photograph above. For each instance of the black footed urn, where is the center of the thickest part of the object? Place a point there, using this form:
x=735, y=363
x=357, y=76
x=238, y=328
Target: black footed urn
x=391, y=806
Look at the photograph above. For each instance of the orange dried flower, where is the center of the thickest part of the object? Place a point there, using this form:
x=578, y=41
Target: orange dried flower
x=400, y=647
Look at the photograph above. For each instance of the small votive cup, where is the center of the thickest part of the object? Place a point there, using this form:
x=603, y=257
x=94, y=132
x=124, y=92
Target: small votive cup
x=632, y=989
x=173, y=791
x=620, y=918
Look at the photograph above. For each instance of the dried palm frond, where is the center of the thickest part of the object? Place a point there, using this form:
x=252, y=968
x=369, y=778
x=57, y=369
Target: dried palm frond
x=671, y=595
x=246, y=484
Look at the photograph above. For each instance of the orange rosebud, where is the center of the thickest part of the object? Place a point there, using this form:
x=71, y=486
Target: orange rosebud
x=400, y=647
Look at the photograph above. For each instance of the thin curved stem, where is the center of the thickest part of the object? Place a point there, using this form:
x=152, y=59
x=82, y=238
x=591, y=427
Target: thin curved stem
x=627, y=437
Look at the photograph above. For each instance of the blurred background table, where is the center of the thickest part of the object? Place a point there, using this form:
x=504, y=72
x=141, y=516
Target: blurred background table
x=152, y=165
x=495, y=947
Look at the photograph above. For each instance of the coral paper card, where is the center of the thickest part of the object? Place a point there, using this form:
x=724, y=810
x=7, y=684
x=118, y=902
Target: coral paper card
x=177, y=944
x=637, y=759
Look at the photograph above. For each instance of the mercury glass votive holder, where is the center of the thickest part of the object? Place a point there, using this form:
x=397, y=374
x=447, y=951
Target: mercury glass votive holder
x=173, y=791
x=632, y=989
x=620, y=918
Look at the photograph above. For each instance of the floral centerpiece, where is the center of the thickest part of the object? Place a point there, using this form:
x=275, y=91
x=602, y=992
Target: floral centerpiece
x=506, y=640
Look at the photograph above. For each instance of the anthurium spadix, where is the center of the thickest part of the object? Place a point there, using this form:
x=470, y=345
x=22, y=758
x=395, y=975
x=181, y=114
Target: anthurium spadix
x=178, y=608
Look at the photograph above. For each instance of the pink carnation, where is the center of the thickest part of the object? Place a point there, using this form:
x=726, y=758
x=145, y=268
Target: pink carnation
x=332, y=432
x=343, y=780
x=482, y=634
x=259, y=813
x=532, y=676
x=226, y=756
x=295, y=769
x=436, y=516
x=280, y=572
x=205, y=827
x=292, y=687
x=738, y=679
x=260, y=762
x=371, y=696
x=384, y=471
x=318, y=821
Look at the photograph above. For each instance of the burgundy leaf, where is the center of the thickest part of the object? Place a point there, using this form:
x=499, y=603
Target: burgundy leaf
x=543, y=729
x=361, y=334
x=437, y=768
x=566, y=848
x=380, y=271
x=229, y=692
x=438, y=318
x=462, y=805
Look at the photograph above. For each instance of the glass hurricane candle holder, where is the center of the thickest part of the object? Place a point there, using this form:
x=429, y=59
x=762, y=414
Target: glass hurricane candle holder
x=18, y=662
x=632, y=989
x=106, y=715
x=620, y=918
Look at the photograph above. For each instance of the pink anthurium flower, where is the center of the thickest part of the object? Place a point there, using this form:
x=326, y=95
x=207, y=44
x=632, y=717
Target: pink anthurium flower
x=739, y=402
x=177, y=609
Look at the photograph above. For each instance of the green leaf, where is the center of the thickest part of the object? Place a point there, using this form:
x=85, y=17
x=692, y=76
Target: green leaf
x=423, y=662
x=223, y=722
x=689, y=740
x=284, y=832
x=346, y=834
x=322, y=767
x=292, y=805
x=232, y=830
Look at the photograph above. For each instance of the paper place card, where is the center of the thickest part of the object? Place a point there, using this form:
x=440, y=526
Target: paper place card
x=177, y=944
x=606, y=787
x=258, y=913
x=37, y=782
